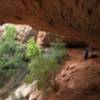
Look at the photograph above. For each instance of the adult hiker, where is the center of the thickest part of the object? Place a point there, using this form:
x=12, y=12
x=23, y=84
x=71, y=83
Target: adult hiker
x=85, y=54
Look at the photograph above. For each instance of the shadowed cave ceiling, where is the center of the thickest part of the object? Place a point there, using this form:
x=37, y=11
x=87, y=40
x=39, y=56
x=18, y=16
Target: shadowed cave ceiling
x=72, y=20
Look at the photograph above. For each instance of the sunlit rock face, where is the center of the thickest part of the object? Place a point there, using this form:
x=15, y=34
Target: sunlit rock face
x=73, y=20
x=23, y=32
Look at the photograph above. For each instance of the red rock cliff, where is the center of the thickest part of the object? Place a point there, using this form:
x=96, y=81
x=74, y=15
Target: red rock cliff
x=74, y=20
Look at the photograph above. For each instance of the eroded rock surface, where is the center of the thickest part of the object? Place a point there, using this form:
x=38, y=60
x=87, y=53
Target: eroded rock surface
x=76, y=20
x=23, y=32
x=79, y=79
x=26, y=92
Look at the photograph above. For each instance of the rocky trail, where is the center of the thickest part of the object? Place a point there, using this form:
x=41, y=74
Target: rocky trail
x=79, y=79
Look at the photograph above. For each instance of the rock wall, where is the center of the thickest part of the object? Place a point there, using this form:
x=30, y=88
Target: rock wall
x=76, y=20
x=23, y=32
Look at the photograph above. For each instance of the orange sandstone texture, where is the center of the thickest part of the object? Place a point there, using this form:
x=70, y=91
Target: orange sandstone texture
x=73, y=20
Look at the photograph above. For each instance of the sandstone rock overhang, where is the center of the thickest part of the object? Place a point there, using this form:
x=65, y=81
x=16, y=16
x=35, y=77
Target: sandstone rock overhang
x=73, y=20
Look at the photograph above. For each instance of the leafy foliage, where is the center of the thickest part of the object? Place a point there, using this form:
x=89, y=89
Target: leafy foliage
x=58, y=51
x=41, y=66
x=12, y=55
x=32, y=49
x=10, y=32
x=44, y=65
x=42, y=69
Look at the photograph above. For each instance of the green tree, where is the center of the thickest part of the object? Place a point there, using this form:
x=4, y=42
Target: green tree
x=12, y=55
x=44, y=66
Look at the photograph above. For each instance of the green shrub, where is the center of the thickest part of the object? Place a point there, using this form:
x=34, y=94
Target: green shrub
x=44, y=65
x=42, y=69
x=58, y=51
x=32, y=49
x=12, y=55
x=41, y=66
